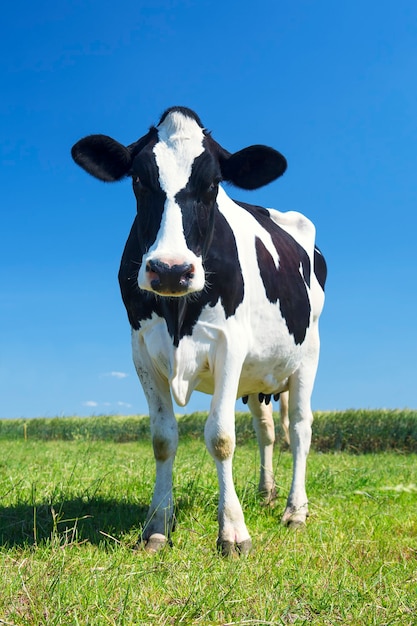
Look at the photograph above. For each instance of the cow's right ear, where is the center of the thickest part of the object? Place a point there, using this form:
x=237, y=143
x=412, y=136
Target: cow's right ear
x=102, y=157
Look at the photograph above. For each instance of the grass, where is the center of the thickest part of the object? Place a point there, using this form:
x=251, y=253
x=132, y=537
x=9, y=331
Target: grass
x=71, y=511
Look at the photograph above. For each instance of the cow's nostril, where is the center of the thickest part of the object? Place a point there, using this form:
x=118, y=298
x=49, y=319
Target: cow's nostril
x=156, y=266
x=188, y=274
x=169, y=279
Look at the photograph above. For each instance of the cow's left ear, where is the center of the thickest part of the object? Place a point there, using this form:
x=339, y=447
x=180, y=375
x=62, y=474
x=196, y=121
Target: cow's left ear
x=253, y=167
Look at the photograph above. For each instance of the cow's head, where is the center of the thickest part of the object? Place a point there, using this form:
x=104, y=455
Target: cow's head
x=176, y=169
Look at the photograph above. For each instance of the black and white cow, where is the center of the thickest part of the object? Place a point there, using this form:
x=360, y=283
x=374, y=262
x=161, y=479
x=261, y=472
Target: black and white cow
x=223, y=297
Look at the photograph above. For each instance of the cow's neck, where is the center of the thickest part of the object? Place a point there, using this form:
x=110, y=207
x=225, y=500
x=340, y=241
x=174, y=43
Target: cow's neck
x=175, y=310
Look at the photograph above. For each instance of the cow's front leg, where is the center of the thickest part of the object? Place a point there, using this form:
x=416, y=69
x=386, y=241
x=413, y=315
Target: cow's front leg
x=159, y=521
x=164, y=432
x=233, y=534
x=220, y=440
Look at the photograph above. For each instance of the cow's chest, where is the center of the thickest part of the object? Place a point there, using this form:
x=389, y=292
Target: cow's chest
x=259, y=351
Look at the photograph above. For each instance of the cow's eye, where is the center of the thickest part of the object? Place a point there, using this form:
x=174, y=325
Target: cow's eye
x=213, y=187
x=138, y=185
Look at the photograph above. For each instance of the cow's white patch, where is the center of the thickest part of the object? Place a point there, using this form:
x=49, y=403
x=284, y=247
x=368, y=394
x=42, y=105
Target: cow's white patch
x=180, y=143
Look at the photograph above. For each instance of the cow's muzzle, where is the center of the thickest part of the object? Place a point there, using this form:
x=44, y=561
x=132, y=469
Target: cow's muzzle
x=169, y=280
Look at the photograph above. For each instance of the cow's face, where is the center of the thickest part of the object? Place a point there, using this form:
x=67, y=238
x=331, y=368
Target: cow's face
x=175, y=181
x=176, y=169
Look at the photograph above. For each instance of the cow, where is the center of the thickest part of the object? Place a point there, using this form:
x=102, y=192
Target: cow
x=223, y=297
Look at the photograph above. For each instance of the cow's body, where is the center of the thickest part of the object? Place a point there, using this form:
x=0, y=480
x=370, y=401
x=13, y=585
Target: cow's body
x=222, y=297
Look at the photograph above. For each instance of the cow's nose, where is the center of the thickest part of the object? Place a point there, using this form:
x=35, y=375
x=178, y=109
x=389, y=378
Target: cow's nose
x=169, y=279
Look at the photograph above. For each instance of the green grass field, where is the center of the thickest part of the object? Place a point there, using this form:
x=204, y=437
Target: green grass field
x=72, y=502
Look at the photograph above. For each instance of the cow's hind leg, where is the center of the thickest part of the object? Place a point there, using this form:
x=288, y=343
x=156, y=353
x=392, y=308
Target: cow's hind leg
x=263, y=423
x=300, y=421
x=285, y=420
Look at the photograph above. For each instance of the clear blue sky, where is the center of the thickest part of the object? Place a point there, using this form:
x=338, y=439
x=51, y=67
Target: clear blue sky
x=332, y=85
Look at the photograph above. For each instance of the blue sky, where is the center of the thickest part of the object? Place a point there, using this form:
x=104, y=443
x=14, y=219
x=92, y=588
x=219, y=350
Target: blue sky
x=331, y=85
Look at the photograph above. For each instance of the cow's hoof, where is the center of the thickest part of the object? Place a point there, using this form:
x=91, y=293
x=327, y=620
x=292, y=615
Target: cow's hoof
x=268, y=498
x=153, y=544
x=295, y=520
x=296, y=524
x=233, y=549
x=244, y=547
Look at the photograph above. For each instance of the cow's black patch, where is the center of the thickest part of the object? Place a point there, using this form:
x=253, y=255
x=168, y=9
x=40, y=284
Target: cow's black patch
x=285, y=284
x=198, y=203
x=150, y=198
x=320, y=267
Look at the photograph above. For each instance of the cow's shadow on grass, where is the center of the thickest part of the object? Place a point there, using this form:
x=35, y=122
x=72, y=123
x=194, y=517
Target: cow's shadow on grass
x=95, y=520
